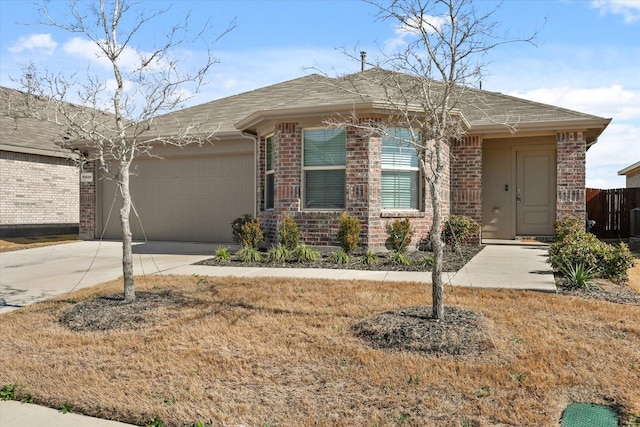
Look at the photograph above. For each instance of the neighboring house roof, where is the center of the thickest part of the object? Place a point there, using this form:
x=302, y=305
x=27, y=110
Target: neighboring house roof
x=630, y=170
x=22, y=134
x=484, y=112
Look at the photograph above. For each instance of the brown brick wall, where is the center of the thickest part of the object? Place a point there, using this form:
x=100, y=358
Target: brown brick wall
x=571, y=174
x=466, y=177
x=363, y=172
x=88, y=205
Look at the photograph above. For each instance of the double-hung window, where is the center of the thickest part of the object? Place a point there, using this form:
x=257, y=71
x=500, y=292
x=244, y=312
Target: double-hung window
x=400, y=171
x=269, y=174
x=324, y=168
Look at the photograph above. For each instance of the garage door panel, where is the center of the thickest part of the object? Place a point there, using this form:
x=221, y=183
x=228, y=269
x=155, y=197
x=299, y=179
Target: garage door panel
x=185, y=199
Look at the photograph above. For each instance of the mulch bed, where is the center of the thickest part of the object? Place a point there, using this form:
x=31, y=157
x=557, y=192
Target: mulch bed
x=601, y=290
x=453, y=260
x=110, y=312
x=413, y=329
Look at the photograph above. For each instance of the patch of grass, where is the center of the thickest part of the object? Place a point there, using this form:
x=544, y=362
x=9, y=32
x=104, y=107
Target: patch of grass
x=304, y=253
x=66, y=408
x=278, y=254
x=398, y=258
x=369, y=258
x=340, y=257
x=8, y=244
x=8, y=392
x=249, y=255
x=244, y=351
x=223, y=255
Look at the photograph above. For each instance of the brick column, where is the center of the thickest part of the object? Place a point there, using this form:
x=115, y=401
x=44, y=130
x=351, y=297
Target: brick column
x=466, y=177
x=87, y=220
x=571, y=177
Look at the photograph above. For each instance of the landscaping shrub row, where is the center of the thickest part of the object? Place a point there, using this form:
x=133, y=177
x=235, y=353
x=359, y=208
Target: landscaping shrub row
x=458, y=231
x=580, y=256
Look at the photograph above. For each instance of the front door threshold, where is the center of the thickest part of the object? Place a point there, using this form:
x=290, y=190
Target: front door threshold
x=521, y=241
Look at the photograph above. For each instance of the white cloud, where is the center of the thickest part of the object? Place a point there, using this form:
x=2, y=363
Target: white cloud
x=629, y=9
x=129, y=60
x=37, y=43
x=430, y=24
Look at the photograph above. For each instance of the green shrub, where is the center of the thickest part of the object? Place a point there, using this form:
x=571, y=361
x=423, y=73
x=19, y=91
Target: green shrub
x=618, y=260
x=289, y=233
x=304, y=253
x=340, y=257
x=349, y=232
x=8, y=392
x=249, y=255
x=566, y=226
x=369, y=258
x=578, y=276
x=249, y=233
x=236, y=226
x=426, y=261
x=223, y=255
x=582, y=248
x=460, y=230
x=400, y=233
x=156, y=422
x=278, y=254
x=399, y=258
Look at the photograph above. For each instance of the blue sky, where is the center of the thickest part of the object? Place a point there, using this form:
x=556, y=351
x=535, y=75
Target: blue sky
x=587, y=56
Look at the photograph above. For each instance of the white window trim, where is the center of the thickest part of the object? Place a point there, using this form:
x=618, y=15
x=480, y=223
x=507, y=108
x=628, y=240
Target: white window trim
x=269, y=171
x=402, y=169
x=303, y=189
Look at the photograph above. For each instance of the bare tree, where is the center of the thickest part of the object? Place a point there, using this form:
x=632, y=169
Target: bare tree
x=421, y=87
x=111, y=121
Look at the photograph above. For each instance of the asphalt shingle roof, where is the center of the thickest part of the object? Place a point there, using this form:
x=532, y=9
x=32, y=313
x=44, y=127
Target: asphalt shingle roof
x=23, y=134
x=481, y=109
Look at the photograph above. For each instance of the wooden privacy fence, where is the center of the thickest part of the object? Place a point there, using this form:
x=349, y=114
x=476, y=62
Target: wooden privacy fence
x=611, y=210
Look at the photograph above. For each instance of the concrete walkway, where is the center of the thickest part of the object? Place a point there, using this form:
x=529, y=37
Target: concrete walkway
x=34, y=275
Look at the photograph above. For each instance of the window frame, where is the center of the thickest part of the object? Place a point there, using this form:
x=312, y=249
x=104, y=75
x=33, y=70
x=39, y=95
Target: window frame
x=396, y=168
x=305, y=169
x=269, y=172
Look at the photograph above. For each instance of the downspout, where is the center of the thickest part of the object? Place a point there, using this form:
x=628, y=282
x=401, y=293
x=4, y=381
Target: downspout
x=254, y=137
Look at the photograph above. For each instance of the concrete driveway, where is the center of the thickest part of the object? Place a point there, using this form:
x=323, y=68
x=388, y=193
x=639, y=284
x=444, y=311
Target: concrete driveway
x=32, y=275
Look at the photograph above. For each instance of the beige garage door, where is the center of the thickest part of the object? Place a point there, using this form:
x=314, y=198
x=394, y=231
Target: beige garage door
x=184, y=199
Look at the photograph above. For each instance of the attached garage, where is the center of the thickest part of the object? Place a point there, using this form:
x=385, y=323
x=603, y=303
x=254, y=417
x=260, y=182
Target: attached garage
x=191, y=194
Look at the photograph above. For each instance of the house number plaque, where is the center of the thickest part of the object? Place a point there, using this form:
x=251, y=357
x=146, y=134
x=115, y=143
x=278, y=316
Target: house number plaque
x=86, y=177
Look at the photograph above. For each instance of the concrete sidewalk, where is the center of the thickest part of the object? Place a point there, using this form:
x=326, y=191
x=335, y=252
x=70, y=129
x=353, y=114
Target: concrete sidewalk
x=37, y=274
x=496, y=266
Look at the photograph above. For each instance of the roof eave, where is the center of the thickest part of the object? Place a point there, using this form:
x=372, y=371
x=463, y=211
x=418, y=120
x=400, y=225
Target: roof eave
x=61, y=153
x=370, y=107
x=595, y=125
x=628, y=169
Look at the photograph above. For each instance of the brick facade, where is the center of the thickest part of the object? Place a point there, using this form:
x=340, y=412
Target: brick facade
x=571, y=152
x=466, y=177
x=363, y=189
x=38, y=193
x=88, y=205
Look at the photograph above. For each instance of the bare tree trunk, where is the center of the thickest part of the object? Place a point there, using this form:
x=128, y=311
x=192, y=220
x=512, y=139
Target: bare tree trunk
x=438, y=252
x=437, y=245
x=127, y=252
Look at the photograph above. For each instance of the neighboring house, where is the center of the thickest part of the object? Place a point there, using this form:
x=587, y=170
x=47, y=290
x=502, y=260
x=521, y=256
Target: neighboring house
x=632, y=173
x=38, y=179
x=274, y=156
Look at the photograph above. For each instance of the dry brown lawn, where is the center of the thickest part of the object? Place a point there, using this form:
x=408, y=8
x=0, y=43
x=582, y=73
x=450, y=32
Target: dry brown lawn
x=276, y=352
x=18, y=243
